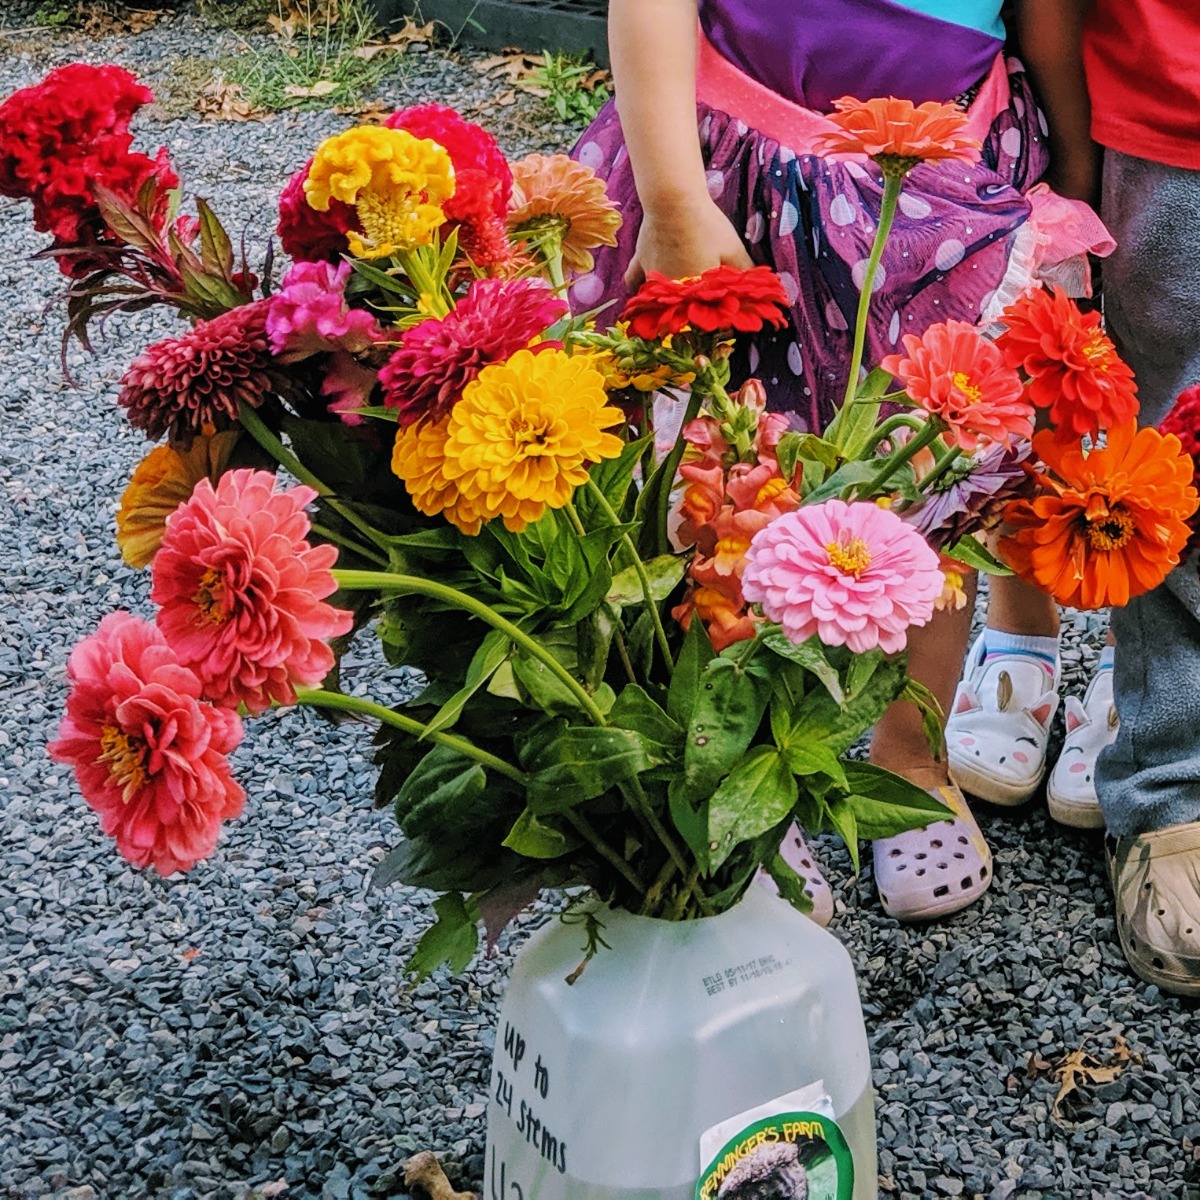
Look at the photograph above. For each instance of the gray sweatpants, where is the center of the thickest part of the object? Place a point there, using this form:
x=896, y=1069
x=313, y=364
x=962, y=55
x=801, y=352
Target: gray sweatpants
x=1150, y=776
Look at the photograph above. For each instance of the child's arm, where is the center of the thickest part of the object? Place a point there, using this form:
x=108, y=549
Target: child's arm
x=1050, y=33
x=653, y=46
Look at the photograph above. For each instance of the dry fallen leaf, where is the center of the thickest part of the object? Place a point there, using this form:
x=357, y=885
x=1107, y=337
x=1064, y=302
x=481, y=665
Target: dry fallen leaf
x=223, y=101
x=515, y=65
x=424, y=1171
x=409, y=34
x=191, y=954
x=323, y=87
x=1080, y=1069
x=368, y=112
x=105, y=20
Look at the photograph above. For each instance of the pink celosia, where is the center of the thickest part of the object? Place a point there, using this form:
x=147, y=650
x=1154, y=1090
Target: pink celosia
x=436, y=360
x=149, y=755
x=853, y=575
x=241, y=591
x=347, y=386
x=309, y=314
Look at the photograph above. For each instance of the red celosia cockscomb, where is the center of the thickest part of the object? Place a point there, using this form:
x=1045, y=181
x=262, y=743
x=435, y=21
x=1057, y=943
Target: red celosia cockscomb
x=721, y=300
x=198, y=380
x=1184, y=421
x=436, y=359
x=1073, y=367
x=241, y=591
x=150, y=756
x=898, y=134
x=309, y=235
x=954, y=373
x=1109, y=523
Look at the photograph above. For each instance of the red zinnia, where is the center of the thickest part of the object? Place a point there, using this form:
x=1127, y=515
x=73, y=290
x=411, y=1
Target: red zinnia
x=721, y=300
x=185, y=384
x=955, y=373
x=149, y=755
x=308, y=235
x=436, y=360
x=1073, y=367
x=242, y=592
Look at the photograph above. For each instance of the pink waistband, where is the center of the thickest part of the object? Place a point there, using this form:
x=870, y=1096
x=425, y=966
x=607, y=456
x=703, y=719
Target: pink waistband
x=723, y=86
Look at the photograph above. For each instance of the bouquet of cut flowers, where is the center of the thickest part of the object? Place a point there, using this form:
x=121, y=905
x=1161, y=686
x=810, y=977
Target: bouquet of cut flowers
x=652, y=617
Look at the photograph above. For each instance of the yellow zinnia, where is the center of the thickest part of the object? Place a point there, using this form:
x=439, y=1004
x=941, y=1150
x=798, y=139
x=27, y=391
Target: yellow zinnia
x=397, y=183
x=161, y=482
x=419, y=458
x=521, y=438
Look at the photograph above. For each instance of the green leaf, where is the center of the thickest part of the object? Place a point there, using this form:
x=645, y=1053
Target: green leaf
x=444, y=781
x=452, y=939
x=844, y=822
x=844, y=482
x=971, y=551
x=884, y=804
x=662, y=737
x=531, y=837
x=728, y=710
x=852, y=428
x=933, y=720
x=813, y=758
x=614, y=477
x=694, y=656
x=819, y=719
x=690, y=818
x=862, y=667
x=568, y=764
x=789, y=882
x=492, y=652
x=542, y=685
x=216, y=250
x=811, y=656
x=808, y=449
x=754, y=797
x=665, y=573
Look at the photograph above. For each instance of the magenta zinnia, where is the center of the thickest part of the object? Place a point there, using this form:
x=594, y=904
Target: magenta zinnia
x=853, y=575
x=149, y=755
x=241, y=591
x=196, y=382
x=436, y=360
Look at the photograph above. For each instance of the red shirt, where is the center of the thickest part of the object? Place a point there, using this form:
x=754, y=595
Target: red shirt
x=1143, y=71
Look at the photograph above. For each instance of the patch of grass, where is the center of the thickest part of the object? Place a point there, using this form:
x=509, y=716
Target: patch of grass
x=318, y=59
x=55, y=14
x=238, y=14
x=183, y=83
x=574, y=88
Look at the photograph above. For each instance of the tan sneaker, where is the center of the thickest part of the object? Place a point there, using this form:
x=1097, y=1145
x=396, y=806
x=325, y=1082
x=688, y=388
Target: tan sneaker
x=1156, y=882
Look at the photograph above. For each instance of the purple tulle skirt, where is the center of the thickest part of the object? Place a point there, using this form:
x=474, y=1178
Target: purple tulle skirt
x=957, y=249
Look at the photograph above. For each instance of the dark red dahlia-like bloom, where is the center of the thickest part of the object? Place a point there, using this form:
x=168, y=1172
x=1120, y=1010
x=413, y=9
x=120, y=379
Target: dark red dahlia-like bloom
x=308, y=235
x=183, y=384
x=1184, y=421
x=721, y=300
x=436, y=360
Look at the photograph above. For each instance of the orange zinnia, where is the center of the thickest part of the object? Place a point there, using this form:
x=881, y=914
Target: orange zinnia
x=898, y=134
x=1110, y=523
x=1073, y=367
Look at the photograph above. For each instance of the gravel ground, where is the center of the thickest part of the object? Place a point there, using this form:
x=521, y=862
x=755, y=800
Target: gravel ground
x=249, y=1024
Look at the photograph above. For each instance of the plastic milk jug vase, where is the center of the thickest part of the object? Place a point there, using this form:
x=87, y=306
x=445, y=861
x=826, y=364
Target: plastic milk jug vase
x=602, y=1090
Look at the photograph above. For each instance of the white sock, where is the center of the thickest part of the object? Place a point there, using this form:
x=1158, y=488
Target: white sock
x=1106, y=659
x=1042, y=650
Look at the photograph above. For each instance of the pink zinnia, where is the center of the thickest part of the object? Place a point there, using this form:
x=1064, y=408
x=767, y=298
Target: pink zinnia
x=148, y=753
x=309, y=314
x=955, y=373
x=240, y=591
x=854, y=575
x=436, y=360
x=201, y=378
x=308, y=235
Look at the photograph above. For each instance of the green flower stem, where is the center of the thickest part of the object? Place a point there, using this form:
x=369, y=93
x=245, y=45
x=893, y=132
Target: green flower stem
x=592, y=836
x=319, y=698
x=689, y=890
x=384, y=581
x=654, y=895
x=906, y=452
x=349, y=543
x=941, y=466
x=257, y=429
x=639, y=567
x=892, y=186
x=898, y=421
x=669, y=468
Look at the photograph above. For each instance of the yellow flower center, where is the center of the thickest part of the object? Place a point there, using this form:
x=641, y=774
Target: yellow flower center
x=394, y=220
x=1098, y=351
x=1112, y=531
x=962, y=381
x=209, y=598
x=770, y=491
x=851, y=558
x=125, y=757
x=530, y=437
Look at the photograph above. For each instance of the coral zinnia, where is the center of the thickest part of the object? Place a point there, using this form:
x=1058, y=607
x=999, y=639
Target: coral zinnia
x=309, y=314
x=1073, y=367
x=898, y=134
x=308, y=235
x=721, y=300
x=558, y=203
x=521, y=438
x=438, y=358
x=186, y=384
x=396, y=182
x=419, y=459
x=149, y=755
x=161, y=482
x=955, y=373
x=241, y=591
x=1110, y=523
x=852, y=574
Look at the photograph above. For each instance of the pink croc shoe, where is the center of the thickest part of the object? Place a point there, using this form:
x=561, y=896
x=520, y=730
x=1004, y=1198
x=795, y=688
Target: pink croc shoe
x=929, y=873
x=795, y=852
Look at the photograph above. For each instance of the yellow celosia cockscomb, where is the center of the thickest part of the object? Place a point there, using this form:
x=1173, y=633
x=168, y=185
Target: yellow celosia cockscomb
x=396, y=182
x=161, y=482
x=418, y=458
x=524, y=433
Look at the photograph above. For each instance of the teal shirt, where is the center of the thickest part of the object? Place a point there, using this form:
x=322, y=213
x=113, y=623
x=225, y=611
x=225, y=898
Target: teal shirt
x=983, y=15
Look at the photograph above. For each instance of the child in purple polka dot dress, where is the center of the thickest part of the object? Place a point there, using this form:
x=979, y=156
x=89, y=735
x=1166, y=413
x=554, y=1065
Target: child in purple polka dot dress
x=708, y=152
